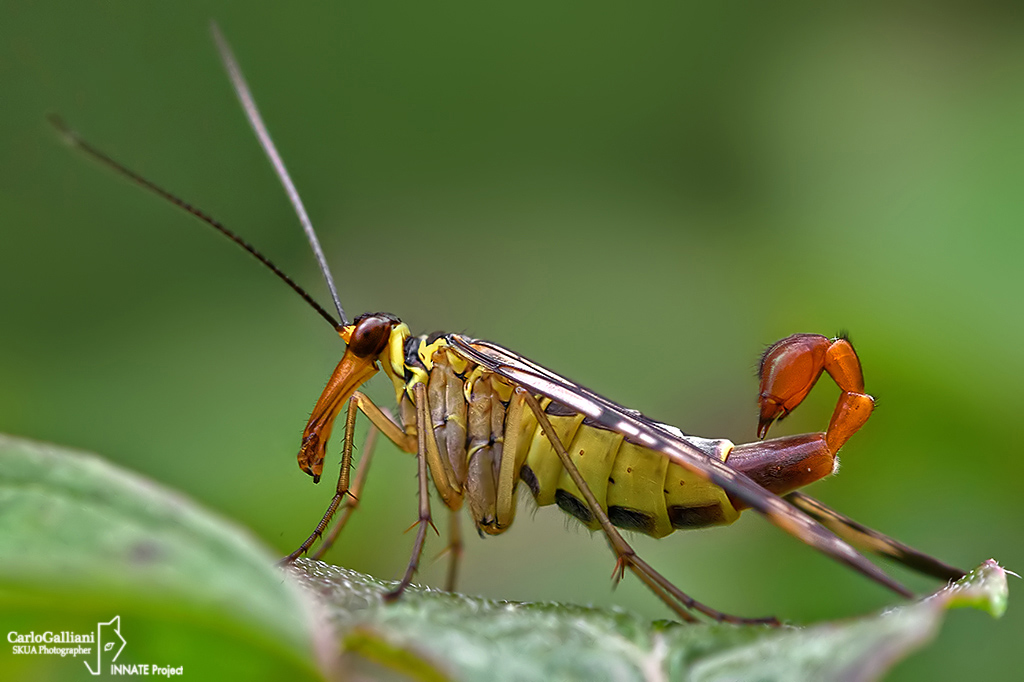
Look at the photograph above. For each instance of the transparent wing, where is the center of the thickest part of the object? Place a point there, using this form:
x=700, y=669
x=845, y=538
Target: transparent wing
x=871, y=540
x=635, y=426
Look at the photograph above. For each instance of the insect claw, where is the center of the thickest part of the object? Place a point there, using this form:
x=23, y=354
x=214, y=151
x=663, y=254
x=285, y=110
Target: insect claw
x=393, y=595
x=619, y=572
x=292, y=557
x=431, y=522
x=415, y=523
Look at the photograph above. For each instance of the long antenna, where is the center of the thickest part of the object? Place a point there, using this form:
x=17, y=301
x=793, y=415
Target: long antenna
x=73, y=139
x=256, y=121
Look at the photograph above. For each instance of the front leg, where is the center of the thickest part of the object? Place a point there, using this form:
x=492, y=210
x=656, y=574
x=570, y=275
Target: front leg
x=345, y=498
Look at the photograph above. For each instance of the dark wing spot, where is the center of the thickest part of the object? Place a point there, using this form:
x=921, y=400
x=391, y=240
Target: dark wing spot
x=573, y=506
x=695, y=517
x=631, y=519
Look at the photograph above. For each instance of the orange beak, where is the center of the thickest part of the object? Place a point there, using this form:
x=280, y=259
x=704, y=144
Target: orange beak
x=348, y=376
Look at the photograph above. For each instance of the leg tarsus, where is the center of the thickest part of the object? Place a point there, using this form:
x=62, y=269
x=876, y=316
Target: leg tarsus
x=346, y=498
x=454, y=550
x=342, y=488
x=314, y=536
x=351, y=502
x=410, y=570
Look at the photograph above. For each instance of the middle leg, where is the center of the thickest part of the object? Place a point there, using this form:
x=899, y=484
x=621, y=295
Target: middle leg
x=453, y=550
x=422, y=431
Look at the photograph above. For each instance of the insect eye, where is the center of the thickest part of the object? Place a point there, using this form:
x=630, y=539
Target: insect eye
x=370, y=336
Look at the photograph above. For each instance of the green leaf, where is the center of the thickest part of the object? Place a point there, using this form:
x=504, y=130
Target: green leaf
x=429, y=634
x=82, y=541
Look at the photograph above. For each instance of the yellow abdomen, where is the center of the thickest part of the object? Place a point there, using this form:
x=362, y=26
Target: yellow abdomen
x=639, y=488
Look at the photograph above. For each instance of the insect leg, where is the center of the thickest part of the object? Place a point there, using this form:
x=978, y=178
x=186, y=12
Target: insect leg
x=342, y=489
x=382, y=422
x=519, y=422
x=675, y=598
x=454, y=549
x=351, y=501
x=422, y=430
x=871, y=540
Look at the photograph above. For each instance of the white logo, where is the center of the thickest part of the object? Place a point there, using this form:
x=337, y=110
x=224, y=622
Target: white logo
x=107, y=637
x=106, y=642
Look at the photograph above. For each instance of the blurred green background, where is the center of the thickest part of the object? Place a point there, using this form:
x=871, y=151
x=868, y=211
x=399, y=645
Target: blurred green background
x=639, y=198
